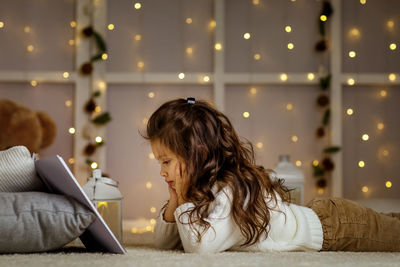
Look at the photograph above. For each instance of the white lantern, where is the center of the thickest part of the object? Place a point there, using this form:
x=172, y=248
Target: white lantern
x=103, y=192
x=294, y=178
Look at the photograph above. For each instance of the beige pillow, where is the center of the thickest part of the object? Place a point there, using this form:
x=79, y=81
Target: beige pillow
x=17, y=171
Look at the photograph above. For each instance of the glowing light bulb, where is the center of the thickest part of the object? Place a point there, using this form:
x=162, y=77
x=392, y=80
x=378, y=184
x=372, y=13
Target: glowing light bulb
x=365, y=137
x=138, y=5
x=152, y=221
x=363, y=2
x=104, y=56
x=151, y=95
x=392, y=77
x=27, y=29
x=388, y=184
x=256, y=2
x=71, y=42
x=152, y=209
x=1, y=24
x=288, y=29
x=361, y=164
x=259, y=145
x=151, y=156
x=189, y=20
x=30, y=48
x=295, y=139
x=380, y=126
x=94, y=165
x=98, y=139
x=72, y=130
x=66, y=75
x=298, y=163
x=189, y=50
x=352, y=54
x=323, y=18
x=290, y=46
x=354, y=33
x=218, y=46
x=315, y=163
x=364, y=189
x=72, y=24
x=390, y=24
x=350, y=111
x=212, y=24
x=97, y=109
x=253, y=90
x=351, y=81
x=34, y=83
x=68, y=103
x=246, y=114
x=206, y=79
x=102, y=85
x=138, y=37
x=246, y=36
x=289, y=106
x=385, y=152
x=320, y=191
x=111, y=27
x=283, y=77
x=392, y=46
x=140, y=64
x=310, y=76
x=149, y=185
x=383, y=93
x=181, y=76
x=71, y=160
x=257, y=56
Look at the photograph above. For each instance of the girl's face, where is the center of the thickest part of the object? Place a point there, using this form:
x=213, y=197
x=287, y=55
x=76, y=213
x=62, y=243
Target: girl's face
x=168, y=161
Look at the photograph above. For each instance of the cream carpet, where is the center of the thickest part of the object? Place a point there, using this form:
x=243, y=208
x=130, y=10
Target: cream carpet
x=141, y=253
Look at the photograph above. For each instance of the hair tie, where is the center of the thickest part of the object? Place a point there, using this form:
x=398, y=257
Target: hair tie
x=191, y=100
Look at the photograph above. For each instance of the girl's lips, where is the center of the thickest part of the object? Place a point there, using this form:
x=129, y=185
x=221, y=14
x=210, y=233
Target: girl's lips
x=169, y=182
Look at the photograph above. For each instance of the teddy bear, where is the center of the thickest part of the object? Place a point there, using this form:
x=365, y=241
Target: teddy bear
x=20, y=125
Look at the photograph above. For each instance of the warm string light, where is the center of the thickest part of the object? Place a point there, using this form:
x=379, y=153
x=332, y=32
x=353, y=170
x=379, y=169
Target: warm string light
x=350, y=111
x=34, y=83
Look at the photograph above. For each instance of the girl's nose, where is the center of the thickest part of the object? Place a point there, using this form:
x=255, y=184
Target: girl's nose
x=163, y=173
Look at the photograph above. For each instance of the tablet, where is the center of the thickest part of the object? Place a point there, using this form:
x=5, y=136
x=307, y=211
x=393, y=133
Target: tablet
x=59, y=179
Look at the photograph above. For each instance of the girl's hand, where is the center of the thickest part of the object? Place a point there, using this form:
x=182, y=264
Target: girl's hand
x=180, y=183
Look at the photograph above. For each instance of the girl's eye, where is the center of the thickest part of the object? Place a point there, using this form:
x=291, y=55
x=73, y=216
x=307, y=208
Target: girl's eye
x=166, y=162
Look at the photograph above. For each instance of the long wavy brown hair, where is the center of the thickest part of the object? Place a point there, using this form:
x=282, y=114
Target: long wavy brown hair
x=206, y=141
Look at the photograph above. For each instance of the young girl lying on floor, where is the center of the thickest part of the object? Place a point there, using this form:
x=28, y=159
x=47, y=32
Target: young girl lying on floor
x=220, y=200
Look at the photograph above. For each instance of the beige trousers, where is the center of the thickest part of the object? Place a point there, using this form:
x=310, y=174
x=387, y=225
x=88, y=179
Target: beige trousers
x=348, y=226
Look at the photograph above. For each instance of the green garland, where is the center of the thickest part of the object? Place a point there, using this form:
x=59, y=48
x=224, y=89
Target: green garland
x=90, y=106
x=326, y=165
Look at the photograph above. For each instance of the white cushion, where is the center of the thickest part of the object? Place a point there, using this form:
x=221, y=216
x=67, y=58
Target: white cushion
x=17, y=171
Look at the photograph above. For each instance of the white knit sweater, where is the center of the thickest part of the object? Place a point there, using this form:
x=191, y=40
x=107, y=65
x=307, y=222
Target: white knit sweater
x=299, y=230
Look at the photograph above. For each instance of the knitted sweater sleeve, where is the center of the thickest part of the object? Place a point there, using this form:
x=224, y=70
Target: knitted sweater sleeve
x=222, y=234
x=166, y=234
